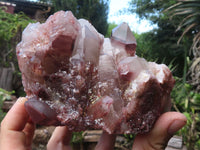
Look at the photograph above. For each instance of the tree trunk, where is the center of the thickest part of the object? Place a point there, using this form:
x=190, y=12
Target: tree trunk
x=6, y=77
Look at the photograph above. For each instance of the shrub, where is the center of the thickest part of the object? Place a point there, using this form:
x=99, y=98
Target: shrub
x=4, y=95
x=187, y=101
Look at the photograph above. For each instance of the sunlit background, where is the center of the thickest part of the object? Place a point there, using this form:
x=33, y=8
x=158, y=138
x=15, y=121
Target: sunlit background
x=117, y=16
x=162, y=35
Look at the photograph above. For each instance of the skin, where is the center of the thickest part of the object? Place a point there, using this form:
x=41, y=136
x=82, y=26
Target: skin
x=17, y=132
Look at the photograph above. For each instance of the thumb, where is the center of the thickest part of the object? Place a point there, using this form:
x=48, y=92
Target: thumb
x=60, y=139
x=164, y=128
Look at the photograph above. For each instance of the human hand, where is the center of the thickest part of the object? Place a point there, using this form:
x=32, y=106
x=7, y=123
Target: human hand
x=165, y=127
x=156, y=139
x=17, y=130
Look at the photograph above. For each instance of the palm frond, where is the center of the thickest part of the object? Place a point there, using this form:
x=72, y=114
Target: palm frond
x=171, y=7
x=186, y=30
x=196, y=45
x=188, y=17
x=189, y=13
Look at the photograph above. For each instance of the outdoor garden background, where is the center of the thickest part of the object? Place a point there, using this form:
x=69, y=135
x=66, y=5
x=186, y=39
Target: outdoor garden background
x=175, y=42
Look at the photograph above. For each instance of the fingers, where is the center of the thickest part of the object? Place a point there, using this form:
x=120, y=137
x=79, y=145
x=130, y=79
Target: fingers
x=16, y=131
x=61, y=137
x=29, y=132
x=106, y=142
x=60, y=140
x=16, y=118
x=163, y=130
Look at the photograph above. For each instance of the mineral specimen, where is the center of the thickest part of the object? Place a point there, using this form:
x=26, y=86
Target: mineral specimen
x=74, y=76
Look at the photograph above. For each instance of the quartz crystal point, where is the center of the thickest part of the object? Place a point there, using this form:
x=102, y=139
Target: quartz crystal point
x=74, y=76
x=123, y=34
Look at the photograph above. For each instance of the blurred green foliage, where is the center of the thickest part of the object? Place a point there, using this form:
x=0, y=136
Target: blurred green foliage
x=77, y=137
x=157, y=45
x=110, y=27
x=11, y=27
x=161, y=42
x=4, y=95
x=10, y=24
x=187, y=101
x=95, y=11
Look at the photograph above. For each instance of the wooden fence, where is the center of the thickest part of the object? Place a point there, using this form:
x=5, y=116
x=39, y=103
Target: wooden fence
x=6, y=78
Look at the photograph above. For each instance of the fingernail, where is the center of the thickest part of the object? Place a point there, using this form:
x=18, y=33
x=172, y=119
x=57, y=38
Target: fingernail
x=175, y=126
x=21, y=99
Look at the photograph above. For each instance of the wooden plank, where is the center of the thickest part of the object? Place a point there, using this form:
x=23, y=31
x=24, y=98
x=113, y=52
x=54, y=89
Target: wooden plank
x=172, y=148
x=6, y=77
x=92, y=138
x=93, y=132
x=7, y=105
x=92, y=135
x=176, y=142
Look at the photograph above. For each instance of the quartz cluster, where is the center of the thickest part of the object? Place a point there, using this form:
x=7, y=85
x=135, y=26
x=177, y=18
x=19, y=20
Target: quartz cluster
x=74, y=76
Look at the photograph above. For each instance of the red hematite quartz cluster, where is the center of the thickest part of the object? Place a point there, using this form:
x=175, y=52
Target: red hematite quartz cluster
x=74, y=76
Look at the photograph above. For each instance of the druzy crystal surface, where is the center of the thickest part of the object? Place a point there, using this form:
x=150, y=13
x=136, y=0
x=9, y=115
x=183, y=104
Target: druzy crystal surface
x=74, y=76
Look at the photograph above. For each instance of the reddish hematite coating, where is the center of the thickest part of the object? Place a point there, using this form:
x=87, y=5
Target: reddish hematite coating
x=74, y=76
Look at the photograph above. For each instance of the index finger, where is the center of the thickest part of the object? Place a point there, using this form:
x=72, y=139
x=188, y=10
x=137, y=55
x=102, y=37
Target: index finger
x=60, y=139
x=17, y=117
x=106, y=141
